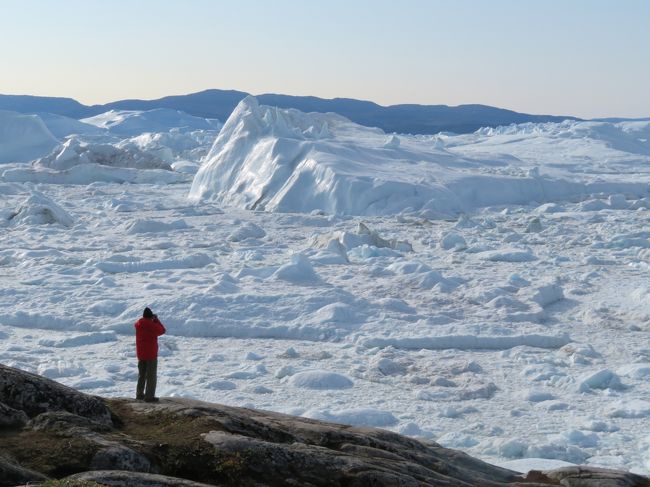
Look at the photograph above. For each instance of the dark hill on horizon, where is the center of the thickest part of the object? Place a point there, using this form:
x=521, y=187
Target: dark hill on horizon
x=406, y=118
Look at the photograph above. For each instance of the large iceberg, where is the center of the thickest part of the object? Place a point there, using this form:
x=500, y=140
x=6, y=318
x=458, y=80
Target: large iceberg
x=78, y=162
x=62, y=127
x=129, y=123
x=23, y=137
x=75, y=152
x=173, y=145
x=285, y=160
x=289, y=161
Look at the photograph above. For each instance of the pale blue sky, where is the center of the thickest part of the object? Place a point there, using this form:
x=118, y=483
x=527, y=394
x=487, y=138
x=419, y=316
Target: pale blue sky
x=587, y=58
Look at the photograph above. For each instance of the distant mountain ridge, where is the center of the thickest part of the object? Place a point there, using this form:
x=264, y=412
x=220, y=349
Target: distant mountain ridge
x=406, y=118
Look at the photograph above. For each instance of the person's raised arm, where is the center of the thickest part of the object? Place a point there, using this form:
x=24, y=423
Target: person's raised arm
x=161, y=328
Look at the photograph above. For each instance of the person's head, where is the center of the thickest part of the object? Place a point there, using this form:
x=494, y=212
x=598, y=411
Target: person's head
x=147, y=313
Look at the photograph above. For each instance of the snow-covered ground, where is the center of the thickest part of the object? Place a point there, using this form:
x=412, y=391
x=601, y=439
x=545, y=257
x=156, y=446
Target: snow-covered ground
x=488, y=291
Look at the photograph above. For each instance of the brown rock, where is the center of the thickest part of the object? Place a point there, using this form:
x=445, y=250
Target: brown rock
x=200, y=443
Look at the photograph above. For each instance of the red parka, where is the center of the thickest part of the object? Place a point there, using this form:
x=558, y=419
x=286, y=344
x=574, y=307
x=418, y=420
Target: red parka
x=147, y=331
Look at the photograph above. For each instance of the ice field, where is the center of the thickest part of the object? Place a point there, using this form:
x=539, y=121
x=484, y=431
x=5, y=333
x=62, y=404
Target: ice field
x=487, y=291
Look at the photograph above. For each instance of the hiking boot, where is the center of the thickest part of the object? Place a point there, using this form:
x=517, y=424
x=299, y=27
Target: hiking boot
x=151, y=399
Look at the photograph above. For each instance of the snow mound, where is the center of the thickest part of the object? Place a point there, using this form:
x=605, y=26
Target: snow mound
x=635, y=371
x=221, y=385
x=23, y=137
x=453, y=241
x=189, y=262
x=135, y=122
x=534, y=395
x=509, y=255
x=246, y=231
x=340, y=241
x=155, y=226
x=355, y=417
x=320, y=379
x=38, y=209
x=74, y=152
x=634, y=408
x=29, y=320
x=78, y=340
x=603, y=379
x=470, y=342
x=559, y=447
x=525, y=465
x=59, y=369
x=545, y=294
x=299, y=271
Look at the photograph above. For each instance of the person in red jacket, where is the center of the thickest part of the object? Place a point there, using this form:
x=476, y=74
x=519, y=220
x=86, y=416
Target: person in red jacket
x=147, y=330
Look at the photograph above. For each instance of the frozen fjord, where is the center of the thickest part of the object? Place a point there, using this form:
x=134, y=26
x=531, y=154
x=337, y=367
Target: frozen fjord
x=516, y=329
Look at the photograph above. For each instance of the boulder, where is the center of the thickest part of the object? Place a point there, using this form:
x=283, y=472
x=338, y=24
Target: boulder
x=33, y=394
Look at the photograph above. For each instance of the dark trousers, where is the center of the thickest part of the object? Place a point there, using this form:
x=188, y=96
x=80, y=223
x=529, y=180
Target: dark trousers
x=147, y=376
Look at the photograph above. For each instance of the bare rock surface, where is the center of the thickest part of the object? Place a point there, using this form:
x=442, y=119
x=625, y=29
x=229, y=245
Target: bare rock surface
x=594, y=477
x=184, y=442
x=13, y=474
x=11, y=417
x=119, y=478
x=33, y=394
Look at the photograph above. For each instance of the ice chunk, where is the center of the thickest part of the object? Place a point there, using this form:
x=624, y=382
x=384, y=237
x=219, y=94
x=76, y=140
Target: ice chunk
x=299, y=271
x=247, y=230
x=603, y=379
x=453, y=241
x=253, y=356
x=188, y=262
x=221, y=385
x=538, y=396
x=23, y=137
x=75, y=152
x=534, y=225
x=355, y=416
x=509, y=255
x=155, y=226
x=135, y=122
x=320, y=379
x=635, y=371
x=457, y=440
x=547, y=294
x=392, y=142
x=78, y=340
x=285, y=371
x=38, y=209
x=633, y=408
x=525, y=465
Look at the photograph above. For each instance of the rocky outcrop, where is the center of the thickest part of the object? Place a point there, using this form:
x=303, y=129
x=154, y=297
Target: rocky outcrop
x=13, y=474
x=119, y=478
x=32, y=394
x=62, y=433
